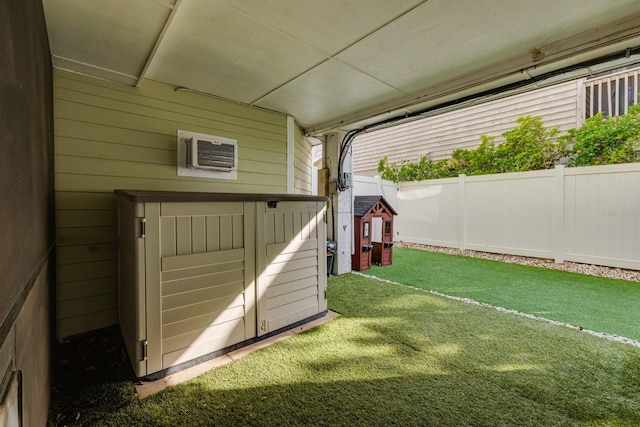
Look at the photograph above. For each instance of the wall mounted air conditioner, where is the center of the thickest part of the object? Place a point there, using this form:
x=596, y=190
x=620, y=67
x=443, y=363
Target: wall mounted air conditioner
x=206, y=156
x=212, y=154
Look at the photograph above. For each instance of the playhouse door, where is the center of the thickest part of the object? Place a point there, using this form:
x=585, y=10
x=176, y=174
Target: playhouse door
x=291, y=263
x=376, y=240
x=383, y=241
x=200, y=293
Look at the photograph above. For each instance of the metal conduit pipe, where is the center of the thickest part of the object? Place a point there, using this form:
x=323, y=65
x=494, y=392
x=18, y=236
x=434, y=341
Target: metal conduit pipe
x=473, y=100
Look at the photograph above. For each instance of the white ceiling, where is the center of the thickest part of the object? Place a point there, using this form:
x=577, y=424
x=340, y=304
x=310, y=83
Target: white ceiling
x=336, y=63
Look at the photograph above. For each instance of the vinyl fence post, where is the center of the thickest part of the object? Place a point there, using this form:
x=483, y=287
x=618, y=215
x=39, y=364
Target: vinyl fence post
x=557, y=206
x=463, y=212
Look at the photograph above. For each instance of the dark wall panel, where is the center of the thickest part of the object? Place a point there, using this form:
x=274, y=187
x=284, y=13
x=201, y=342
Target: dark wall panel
x=26, y=144
x=26, y=199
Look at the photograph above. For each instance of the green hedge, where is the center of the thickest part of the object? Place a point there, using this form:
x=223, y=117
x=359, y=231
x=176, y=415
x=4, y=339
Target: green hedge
x=532, y=146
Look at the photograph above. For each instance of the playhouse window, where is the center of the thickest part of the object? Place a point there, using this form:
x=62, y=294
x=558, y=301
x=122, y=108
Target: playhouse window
x=387, y=228
x=365, y=230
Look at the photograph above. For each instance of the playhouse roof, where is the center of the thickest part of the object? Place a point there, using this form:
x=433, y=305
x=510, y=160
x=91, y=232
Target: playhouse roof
x=362, y=204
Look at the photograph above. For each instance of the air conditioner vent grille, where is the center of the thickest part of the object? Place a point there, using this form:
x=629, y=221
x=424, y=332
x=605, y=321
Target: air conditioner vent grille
x=211, y=154
x=219, y=156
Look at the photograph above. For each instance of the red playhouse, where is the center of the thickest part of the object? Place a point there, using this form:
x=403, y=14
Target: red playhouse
x=373, y=231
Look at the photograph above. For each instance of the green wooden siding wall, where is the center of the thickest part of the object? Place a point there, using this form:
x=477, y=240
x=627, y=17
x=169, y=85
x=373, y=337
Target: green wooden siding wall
x=302, y=163
x=109, y=136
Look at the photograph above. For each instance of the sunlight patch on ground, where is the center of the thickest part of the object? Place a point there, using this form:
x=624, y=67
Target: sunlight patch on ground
x=512, y=367
x=448, y=349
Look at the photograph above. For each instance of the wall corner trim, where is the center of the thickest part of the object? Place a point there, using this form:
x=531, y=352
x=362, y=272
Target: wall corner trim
x=290, y=153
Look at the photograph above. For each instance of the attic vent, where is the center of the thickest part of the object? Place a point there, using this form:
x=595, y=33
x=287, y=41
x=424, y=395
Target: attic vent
x=211, y=154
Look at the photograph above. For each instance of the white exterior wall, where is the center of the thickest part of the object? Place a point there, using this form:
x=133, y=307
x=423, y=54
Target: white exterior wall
x=110, y=136
x=589, y=214
x=341, y=216
x=303, y=173
x=558, y=105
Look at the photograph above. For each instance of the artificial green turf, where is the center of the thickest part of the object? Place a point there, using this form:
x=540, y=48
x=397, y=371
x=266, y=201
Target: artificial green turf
x=595, y=303
x=404, y=357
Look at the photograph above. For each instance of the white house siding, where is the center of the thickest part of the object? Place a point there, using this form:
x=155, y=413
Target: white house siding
x=109, y=136
x=438, y=136
x=302, y=173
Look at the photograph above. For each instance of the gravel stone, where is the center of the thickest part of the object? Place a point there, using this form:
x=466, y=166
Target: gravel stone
x=573, y=267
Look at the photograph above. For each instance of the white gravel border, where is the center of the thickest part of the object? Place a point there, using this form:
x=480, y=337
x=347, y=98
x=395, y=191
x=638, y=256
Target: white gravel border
x=606, y=336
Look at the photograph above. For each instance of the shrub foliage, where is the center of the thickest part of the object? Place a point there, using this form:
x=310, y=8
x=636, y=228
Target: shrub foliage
x=606, y=140
x=532, y=146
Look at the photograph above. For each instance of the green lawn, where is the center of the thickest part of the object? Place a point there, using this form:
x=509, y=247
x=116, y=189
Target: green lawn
x=595, y=303
x=397, y=356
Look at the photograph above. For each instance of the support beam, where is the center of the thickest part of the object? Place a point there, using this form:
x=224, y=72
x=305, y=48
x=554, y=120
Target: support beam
x=340, y=221
x=163, y=32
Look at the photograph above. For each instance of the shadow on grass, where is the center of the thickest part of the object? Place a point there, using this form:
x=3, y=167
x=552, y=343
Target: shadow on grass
x=442, y=400
x=478, y=398
x=402, y=357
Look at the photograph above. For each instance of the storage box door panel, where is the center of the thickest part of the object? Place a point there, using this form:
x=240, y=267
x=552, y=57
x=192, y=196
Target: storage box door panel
x=206, y=294
x=291, y=248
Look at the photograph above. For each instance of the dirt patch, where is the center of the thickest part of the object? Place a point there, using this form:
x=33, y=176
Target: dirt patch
x=92, y=378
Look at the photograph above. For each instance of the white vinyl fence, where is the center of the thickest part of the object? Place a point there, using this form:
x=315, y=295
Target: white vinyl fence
x=588, y=214
x=367, y=186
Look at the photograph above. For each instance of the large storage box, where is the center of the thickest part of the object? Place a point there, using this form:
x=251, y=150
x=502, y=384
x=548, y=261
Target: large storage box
x=203, y=273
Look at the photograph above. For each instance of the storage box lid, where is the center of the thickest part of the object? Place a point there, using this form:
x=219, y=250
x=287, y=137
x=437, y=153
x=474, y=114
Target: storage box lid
x=185, y=196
